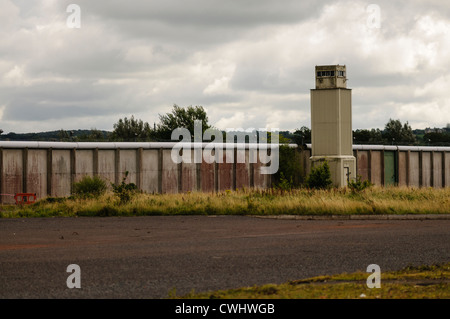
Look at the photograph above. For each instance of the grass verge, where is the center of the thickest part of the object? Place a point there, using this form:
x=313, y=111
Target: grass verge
x=373, y=201
x=429, y=282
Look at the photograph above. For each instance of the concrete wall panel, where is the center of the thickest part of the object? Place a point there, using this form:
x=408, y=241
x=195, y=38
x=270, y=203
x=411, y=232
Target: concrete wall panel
x=402, y=168
x=362, y=161
x=12, y=181
x=225, y=174
x=37, y=173
x=447, y=168
x=207, y=172
x=149, y=171
x=189, y=175
x=426, y=169
x=376, y=170
x=84, y=164
x=169, y=173
x=243, y=171
x=414, y=170
x=128, y=163
x=106, y=165
x=437, y=169
x=61, y=178
x=259, y=180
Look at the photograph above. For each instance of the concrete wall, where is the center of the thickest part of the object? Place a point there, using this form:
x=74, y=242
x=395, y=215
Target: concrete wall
x=414, y=166
x=50, y=169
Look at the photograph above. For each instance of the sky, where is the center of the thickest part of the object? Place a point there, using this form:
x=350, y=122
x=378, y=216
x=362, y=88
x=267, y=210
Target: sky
x=249, y=63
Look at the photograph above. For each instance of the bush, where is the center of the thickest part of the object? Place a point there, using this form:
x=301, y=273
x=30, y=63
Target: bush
x=284, y=184
x=290, y=171
x=357, y=185
x=124, y=191
x=89, y=187
x=320, y=177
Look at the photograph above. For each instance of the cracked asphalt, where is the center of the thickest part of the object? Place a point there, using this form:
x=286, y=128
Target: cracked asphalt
x=154, y=257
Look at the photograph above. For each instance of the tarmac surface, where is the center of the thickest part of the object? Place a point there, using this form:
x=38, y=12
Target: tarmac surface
x=153, y=257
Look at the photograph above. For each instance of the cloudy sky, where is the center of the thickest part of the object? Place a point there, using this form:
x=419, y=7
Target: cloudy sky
x=249, y=63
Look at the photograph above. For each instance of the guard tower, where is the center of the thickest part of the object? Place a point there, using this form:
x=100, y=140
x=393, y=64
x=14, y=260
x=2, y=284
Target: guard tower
x=331, y=123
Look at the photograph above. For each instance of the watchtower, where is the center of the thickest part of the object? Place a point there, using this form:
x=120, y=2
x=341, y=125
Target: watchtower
x=331, y=123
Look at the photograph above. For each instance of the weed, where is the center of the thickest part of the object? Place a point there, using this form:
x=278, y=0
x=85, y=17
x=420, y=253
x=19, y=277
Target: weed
x=89, y=187
x=124, y=191
x=357, y=185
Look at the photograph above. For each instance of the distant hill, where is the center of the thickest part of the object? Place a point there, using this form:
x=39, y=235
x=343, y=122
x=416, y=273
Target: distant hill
x=57, y=136
x=431, y=137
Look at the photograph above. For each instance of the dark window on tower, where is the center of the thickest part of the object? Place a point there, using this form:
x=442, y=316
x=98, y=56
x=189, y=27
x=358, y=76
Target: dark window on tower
x=332, y=73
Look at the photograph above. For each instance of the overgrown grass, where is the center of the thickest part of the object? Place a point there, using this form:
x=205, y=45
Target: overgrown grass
x=432, y=282
x=373, y=201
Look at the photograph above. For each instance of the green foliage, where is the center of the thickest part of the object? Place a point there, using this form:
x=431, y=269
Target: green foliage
x=290, y=172
x=180, y=118
x=373, y=136
x=436, y=138
x=124, y=191
x=131, y=130
x=89, y=187
x=395, y=132
x=302, y=136
x=358, y=185
x=284, y=184
x=320, y=177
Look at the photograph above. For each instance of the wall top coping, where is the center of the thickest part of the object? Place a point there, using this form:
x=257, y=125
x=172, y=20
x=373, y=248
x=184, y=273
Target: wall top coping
x=367, y=147
x=132, y=145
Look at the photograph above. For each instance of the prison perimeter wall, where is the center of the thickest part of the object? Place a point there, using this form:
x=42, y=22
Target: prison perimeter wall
x=50, y=169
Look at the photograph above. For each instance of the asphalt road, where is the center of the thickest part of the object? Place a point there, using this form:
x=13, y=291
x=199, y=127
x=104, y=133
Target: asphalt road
x=150, y=257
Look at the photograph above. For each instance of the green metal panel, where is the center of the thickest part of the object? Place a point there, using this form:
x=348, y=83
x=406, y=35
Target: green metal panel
x=389, y=168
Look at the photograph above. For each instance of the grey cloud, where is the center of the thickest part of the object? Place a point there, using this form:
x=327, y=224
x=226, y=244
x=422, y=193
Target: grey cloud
x=145, y=53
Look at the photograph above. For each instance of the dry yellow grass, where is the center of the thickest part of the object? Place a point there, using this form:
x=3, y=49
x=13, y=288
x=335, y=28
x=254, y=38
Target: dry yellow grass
x=373, y=201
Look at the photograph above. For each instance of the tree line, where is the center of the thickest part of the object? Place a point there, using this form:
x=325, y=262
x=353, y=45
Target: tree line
x=136, y=130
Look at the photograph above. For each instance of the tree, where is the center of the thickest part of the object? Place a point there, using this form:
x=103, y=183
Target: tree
x=290, y=166
x=63, y=135
x=180, y=118
x=131, y=130
x=302, y=135
x=373, y=136
x=436, y=138
x=395, y=133
x=92, y=135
